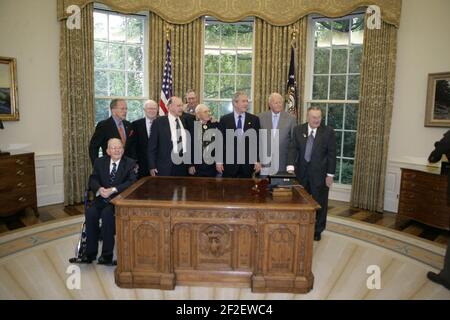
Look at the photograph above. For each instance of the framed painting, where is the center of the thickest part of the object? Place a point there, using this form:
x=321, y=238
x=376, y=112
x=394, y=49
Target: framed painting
x=9, y=109
x=438, y=100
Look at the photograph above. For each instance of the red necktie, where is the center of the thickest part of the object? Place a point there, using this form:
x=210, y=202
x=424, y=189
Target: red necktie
x=122, y=135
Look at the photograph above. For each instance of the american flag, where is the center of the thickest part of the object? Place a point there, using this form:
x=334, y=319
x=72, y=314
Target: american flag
x=166, y=90
x=291, y=99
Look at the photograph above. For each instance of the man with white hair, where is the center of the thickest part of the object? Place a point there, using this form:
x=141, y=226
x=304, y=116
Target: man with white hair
x=142, y=128
x=280, y=125
x=204, y=121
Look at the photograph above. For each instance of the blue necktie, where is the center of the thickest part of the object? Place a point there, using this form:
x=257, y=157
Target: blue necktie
x=239, y=124
x=112, y=175
x=309, y=146
x=274, y=123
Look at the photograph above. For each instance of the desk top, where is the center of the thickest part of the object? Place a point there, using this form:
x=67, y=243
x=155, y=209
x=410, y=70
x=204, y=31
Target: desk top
x=209, y=193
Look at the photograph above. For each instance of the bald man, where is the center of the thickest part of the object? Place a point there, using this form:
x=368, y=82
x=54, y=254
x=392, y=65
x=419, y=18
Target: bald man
x=143, y=128
x=277, y=119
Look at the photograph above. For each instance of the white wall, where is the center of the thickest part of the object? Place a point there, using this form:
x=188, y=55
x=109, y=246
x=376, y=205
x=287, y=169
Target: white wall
x=423, y=47
x=29, y=32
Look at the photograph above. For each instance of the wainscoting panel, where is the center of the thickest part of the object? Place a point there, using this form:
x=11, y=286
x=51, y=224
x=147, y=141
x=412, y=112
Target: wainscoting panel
x=49, y=179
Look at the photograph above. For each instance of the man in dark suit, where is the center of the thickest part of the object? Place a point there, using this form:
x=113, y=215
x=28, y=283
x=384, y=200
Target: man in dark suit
x=142, y=128
x=112, y=174
x=279, y=125
x=114, y=127
x=244, y=145
x=312, y=155
x=442, y=147
x=207, y=167
x=169, y=145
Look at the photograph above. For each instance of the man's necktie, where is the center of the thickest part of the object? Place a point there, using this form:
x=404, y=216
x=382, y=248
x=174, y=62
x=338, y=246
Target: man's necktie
x=309, y=146
x=179, y=137
x=122, y=134
x=274, y=123
x=239, y=124
x=112, y=175
x=149, y=129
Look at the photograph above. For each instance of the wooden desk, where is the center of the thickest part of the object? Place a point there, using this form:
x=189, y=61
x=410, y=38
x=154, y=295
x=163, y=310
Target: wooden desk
x=213, y=232
x=423, y=197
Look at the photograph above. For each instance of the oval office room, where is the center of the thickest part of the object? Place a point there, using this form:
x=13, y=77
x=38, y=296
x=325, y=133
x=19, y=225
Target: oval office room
x=224, y=150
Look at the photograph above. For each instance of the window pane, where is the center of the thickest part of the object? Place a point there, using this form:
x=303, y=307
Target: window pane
x=116, y=56
x=338, y=170
x=320, y=88
x=335, y=115
x=226, y=87
x=117, y=28
x=228, y=61
x=338, y=143
x=355, y=59
x=226, y=107
x=244, y=36
x=347, y=171
x=101, y=109
x=244, y=62
x=351, y=116
x=322, y=34
x=349, y=144
x=228, y=36
x=340, y=34
x=213, y=107
x=212, y=35
x=117, y=83
x=212, y=59
x=100, y=54
x=339, y=61
x=337, y=88
x=100, y=26
x=135, y=84
x=101, y=83
x=353, y=88
x=211, y=86
x=135, y=110
x=135, y=58
x=244, y=83
x=357, y=33
x=321, y=61
x=135, y=30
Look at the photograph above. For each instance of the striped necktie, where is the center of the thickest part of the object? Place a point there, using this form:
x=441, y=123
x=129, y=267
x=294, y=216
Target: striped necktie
x=112, y=175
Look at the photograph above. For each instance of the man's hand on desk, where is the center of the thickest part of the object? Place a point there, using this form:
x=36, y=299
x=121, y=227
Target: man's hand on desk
x=153, y=172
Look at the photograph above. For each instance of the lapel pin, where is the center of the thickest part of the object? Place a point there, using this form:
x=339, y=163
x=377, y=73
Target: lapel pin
x=249, y=123
x=304, y=135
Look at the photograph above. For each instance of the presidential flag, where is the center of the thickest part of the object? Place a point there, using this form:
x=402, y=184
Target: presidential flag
x=291, y=95
x=166, y=90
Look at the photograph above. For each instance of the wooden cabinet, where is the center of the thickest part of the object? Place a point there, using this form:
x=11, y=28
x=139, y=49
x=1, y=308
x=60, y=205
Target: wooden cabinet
x=17, y=184
x=423, y=197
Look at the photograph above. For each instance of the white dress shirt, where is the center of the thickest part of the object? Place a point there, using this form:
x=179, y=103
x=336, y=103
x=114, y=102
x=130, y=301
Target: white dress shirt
x=173, y=133
x=148, y=124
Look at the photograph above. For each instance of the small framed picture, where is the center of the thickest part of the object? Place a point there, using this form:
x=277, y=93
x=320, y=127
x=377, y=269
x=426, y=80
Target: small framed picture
x=438, y=100
x=9, y=109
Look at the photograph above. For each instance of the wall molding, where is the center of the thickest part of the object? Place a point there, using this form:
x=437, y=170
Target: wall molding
x=49, y=179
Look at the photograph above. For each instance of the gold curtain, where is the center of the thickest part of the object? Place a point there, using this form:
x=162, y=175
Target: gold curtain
x=272, y=57
x=374, y=117
x=186, y=42
x=276, y=12
x=77, y=103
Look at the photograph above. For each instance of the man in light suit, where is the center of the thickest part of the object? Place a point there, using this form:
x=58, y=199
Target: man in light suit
x=282, y=125
x=115, y=126
x=112, y=174
x=246, y=128
x=142, y=128
x=312, y=156
x=168, y=141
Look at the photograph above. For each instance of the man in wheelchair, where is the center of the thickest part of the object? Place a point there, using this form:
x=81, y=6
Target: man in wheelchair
x=112, y=174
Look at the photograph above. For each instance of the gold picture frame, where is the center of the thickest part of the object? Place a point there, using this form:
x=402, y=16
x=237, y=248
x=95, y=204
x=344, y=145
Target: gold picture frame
x=438, y=100
x=9, y=108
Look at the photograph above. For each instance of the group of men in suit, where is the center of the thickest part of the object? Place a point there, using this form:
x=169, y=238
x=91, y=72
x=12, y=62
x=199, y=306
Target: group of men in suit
x=165, y=146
